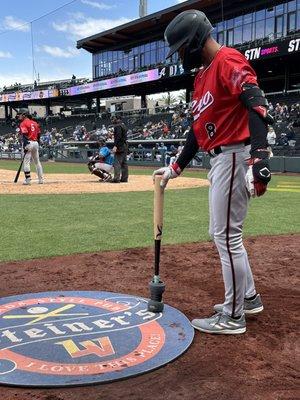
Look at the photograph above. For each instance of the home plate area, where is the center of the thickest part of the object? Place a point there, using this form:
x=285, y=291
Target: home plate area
x=73, y=338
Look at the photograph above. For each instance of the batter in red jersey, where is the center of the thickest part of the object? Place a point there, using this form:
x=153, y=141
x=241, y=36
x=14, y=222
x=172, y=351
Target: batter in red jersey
x=230, y=124
x=30, y=131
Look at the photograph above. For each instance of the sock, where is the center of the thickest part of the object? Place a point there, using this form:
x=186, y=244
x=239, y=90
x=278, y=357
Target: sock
x=252, y=297
x=236, y=317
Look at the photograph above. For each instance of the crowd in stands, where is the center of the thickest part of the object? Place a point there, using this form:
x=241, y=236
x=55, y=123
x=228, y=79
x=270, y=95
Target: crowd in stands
x=165, y=123
x=283, y=134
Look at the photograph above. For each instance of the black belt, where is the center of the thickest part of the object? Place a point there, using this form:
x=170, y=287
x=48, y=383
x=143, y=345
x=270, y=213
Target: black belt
x=218, y=150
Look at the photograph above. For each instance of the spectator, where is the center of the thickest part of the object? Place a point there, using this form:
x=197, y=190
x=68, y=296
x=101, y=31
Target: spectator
x=271, y=137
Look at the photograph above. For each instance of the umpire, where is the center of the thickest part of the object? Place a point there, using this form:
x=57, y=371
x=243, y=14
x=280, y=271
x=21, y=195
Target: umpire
x=120, y=151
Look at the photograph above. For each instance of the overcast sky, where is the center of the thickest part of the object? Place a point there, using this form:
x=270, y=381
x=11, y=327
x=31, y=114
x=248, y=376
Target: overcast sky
x=55, y=35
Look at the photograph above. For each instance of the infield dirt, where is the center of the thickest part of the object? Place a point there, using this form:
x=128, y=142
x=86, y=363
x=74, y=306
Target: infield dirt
x=86, y=183
x=259, y=365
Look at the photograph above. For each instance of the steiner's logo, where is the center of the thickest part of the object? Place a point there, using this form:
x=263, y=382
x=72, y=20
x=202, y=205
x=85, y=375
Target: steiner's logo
x=74, y=338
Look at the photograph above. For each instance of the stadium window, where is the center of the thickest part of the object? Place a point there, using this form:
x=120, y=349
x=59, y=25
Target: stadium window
x=260, y=15
x=114, y=66
x=238, y=21
x=247, y=19
x=220, y=26
x=270, y=28
x=136, y=61
x=214, y=34
x=279, y=9
x=279, y=26
x=270, y=12
x=238, y=35
x=161, y=55
x=229, y=24
x=291, y=24
x=153, y=57
x=220, y=38
x=125, y=62
x=147, y=46
x=259, y=29
x=153, y=45
x=298, y=20
x=130, y=63
x=247, y=33
x=291, y=6
x=229, y=38
x=142, y=59
x=147, y=58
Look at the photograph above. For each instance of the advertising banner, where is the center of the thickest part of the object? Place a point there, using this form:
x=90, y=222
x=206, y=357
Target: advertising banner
x=273, y=49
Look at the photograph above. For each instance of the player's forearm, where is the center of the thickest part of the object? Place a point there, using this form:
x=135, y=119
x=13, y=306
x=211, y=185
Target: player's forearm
x=189, y=150
x=258, y=132
x=253, y=98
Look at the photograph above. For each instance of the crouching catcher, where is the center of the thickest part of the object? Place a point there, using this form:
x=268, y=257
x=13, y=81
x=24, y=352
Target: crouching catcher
x=101, y=164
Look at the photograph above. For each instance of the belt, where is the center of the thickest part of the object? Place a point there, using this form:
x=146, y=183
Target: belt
x=218, y=150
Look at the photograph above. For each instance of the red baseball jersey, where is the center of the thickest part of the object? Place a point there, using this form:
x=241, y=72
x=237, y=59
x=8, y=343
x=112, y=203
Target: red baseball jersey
x=219, y=116
x=30, y=129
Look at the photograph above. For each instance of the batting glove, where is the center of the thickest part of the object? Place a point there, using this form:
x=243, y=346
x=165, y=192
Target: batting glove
x=258, y=175
x=167, y=173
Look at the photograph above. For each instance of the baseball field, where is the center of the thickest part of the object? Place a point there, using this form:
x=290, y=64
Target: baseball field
x=74, y=233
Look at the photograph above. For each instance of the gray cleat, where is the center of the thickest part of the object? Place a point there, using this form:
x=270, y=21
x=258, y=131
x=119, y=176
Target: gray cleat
x=221, y=324
x=254, y=306
x=27, y=181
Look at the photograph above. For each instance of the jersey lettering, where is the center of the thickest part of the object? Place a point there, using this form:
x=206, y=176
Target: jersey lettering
x=198, y=106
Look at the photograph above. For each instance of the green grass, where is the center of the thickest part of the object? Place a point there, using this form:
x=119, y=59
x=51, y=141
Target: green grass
x=48, y=225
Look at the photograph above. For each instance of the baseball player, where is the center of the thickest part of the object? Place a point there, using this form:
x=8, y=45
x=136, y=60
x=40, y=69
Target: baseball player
x=30, y=131
x=230, y=124
x=102, y=164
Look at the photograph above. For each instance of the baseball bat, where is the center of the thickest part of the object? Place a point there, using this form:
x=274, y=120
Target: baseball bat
x=156, y=286
x=20, y=167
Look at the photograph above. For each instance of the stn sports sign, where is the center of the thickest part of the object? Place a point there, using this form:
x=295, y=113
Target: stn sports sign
x=272, y=50
x=77, y=338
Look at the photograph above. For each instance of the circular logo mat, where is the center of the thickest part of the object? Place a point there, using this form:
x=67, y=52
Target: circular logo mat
x=79, y=338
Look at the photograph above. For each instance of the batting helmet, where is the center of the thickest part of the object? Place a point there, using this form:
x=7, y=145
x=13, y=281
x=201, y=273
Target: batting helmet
x=189, y=29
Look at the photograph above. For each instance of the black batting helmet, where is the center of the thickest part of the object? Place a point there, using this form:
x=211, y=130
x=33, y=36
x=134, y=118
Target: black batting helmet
x=190, y=29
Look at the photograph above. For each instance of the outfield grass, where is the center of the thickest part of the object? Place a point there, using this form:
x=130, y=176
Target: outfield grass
x=48, y=225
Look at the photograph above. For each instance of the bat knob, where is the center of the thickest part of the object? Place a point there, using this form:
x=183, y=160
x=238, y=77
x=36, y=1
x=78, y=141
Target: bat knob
x=155, y=303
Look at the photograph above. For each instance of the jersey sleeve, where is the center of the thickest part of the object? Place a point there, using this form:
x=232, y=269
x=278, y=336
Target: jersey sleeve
x=23, y=127
x=236, y=72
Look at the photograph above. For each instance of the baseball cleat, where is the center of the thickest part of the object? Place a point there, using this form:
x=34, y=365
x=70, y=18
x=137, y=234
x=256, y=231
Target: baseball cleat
x=254, y=306
x=107, y=178
x=41, y=181
x=221, y=324
x=27, y=182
